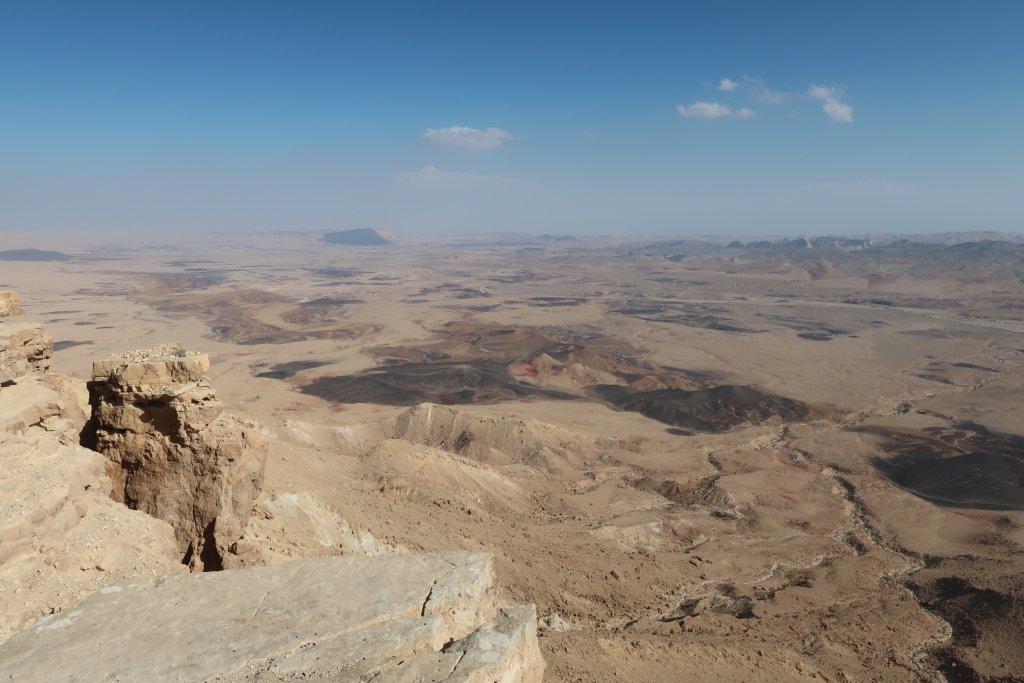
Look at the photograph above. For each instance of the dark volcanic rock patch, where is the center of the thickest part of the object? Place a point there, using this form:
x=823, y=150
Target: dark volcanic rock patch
x=452, y=291
x=484, y=308
x=233, y=314
x=514, y=278
x=965, y=465
x=444, y=382
x=983, y=602
x=289, y=369
x=707, y=410
x=337, y=272
x=987, y=481
x=61, y=345
x=680, y=313
x=554, y=301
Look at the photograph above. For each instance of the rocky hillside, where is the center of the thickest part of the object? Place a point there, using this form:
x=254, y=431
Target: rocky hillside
x=62, y=537
x=96, y=546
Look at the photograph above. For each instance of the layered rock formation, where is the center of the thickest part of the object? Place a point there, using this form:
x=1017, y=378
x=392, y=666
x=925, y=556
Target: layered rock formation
x=111, y=600
x=25, y=348
x=61, y=536
x=390, y=618
x=173, y=451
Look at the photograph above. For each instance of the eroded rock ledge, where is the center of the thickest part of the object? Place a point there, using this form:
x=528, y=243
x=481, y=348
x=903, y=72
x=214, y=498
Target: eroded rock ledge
x=174, y=453
x=61, y=536
x=25, y=347
x=424, y=617
x=92, y=590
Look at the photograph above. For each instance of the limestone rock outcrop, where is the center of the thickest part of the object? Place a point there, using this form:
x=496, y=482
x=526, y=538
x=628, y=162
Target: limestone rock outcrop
x=427, y=617
x=92, y=590
x=174, y=453
x=25, y=348
x=10, y=304
x=61, y=536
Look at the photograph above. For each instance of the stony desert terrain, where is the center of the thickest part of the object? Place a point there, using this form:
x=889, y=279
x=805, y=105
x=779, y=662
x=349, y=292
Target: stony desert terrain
x=761, y=461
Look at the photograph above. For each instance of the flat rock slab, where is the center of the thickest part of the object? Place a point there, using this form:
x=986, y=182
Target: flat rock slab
x=424, y=617
x=29, y=402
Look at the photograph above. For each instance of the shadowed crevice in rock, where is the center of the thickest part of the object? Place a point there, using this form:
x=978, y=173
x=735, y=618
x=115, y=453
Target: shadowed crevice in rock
x=209, y=555
x=61, y=535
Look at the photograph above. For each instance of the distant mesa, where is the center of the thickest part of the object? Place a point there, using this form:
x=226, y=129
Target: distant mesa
x=362, y=237
x=33, y=255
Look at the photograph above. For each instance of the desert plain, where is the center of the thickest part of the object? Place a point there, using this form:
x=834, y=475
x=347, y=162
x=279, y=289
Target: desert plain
x=757, y=461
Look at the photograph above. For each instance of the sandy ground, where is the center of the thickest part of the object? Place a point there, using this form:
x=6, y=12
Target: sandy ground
x=850, y=510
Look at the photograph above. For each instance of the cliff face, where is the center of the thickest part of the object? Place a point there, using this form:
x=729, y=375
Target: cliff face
x=61, y=535
x=92, y=590
x=172, y=450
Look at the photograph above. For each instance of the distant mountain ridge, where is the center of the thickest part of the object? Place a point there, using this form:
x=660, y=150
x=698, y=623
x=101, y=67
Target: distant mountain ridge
x=33, y=255
x=362, y=237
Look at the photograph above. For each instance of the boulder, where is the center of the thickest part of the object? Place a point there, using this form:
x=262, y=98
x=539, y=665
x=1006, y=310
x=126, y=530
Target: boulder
x=172, y=450
x=9, y=304
x=25, y=348
x=424, y=617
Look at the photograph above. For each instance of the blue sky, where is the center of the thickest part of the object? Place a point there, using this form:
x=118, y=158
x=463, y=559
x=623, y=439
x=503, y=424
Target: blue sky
x=450, y=117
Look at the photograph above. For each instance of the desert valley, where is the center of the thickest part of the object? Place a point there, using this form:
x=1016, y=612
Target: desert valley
x=794, y=459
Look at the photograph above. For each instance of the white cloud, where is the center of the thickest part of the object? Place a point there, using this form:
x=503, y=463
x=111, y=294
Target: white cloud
x=727, y=85
x=712, y=110
x=833, y=106
x=759, y=91
x=464, y=137
x=704, y=110
x=433, y=178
